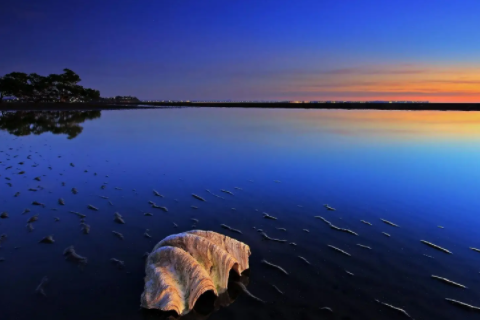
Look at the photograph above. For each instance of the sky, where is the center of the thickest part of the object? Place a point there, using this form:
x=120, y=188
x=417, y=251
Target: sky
x=251, y=49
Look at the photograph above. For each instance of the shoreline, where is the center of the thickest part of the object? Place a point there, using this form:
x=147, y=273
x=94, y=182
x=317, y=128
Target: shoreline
x=58, y=106
x=13, y=106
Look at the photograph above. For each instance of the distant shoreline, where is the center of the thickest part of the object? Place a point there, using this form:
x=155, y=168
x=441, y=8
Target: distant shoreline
x=59, y=106
x=13, y=106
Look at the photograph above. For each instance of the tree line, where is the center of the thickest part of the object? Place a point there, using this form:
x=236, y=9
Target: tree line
x=121, y=99
x=33, y=87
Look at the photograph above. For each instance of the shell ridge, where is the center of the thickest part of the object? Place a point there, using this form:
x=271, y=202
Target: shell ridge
x=183, y=266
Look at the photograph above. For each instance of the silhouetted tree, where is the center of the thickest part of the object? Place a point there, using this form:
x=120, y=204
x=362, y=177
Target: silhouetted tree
x=90, y=94
x=2, y=89
x=126, y=99
x=54, y=87
x=15, y=84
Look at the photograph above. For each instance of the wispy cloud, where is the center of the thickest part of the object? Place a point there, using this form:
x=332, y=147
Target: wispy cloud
x=218, y=80
x=446, y=83
x=367, y=70
x=456, y=81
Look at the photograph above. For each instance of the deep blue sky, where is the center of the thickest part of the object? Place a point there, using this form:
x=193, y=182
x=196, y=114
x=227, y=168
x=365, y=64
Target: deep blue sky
x=173, y=49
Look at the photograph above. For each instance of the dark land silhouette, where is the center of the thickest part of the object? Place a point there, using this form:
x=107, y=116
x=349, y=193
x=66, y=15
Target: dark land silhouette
x=35, y=88
x=22, y=91
x=62, y=92
x=346, y=105
x=107, y=105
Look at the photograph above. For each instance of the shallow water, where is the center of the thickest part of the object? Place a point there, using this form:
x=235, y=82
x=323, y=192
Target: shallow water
x=416, y=169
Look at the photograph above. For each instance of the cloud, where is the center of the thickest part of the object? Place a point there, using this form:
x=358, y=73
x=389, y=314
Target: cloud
x=254, y=80
x=375, y=94
x=456, y=82
x=445, y=83
x=368, y=70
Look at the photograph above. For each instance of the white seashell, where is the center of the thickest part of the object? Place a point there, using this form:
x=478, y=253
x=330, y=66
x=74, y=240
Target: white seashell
x=184, y=266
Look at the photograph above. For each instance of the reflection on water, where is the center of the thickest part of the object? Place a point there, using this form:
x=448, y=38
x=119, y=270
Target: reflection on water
x=419, y=170
x=24, y=123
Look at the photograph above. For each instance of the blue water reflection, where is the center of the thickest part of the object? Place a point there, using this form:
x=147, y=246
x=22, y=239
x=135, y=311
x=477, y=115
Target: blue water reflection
x=419, y=170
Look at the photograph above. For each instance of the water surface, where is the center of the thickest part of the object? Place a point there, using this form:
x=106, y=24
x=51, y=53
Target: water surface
x=416, y=169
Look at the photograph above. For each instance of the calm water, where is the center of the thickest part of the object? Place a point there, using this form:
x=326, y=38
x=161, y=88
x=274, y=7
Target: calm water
x=416, y=169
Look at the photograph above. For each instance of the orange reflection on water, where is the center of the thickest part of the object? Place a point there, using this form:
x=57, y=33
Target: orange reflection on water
x=401, y=123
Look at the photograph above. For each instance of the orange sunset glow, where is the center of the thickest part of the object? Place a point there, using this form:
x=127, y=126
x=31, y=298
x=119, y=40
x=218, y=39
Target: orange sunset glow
x=434, y=83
